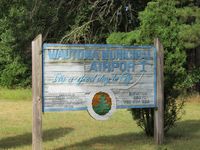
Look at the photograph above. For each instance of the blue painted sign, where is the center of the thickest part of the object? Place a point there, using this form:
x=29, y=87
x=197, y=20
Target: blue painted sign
x=75, y=76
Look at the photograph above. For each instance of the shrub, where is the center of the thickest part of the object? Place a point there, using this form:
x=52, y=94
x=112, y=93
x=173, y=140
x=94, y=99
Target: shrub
x=159, y=19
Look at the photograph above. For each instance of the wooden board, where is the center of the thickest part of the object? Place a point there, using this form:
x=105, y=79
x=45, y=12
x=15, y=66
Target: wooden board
x=72, y=72
x=159, y=112
x=37, y=93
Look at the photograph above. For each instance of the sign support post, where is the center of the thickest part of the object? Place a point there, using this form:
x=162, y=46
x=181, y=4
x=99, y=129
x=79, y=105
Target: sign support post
x=159, y=111
x=37, y=93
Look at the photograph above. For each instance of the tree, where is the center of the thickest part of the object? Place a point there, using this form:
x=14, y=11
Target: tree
x=12, y=65
x=20, y=22
x=102, y=107
x=160, y=19
x=72, y=21
x=189, y=21
x=95, y=20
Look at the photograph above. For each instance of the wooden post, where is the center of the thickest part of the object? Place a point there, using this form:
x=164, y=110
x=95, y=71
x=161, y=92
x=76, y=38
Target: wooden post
x=159, y=111
x=37, y=93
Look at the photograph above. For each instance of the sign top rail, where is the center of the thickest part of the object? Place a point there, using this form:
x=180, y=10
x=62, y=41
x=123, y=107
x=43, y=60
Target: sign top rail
x=46, y=45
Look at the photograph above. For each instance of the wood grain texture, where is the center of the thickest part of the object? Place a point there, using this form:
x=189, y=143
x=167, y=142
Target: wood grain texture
x=37, y=93
x=159, y=112
x=138, y=92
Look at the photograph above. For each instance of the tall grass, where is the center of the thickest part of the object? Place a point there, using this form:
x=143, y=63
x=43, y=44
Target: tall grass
x=193, y=98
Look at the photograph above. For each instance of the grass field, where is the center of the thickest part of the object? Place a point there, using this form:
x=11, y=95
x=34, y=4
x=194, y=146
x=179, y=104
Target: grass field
x=78, y=131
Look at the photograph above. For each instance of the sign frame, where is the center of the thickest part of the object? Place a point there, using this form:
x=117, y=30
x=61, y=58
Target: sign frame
x=45, y=45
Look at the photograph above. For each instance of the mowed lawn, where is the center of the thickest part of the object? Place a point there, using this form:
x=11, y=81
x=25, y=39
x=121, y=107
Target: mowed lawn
x=78, y=131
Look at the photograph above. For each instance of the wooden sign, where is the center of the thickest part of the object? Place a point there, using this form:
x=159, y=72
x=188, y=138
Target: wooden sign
x=73, y=74
x=99, y=78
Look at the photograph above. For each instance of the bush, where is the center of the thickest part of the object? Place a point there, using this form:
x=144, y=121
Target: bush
x=14, y=74
x=159, y=19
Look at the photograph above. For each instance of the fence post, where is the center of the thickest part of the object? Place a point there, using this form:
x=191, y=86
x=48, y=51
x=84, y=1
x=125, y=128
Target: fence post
x=159, y=111
x=37, y=93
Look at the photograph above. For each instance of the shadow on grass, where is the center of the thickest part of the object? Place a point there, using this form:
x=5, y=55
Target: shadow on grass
x=188, y=128
x=185, y=136
x=184, y=130
x=26, y=139
x=121, y=141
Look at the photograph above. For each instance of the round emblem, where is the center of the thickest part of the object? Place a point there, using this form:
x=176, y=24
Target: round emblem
x=102, y=104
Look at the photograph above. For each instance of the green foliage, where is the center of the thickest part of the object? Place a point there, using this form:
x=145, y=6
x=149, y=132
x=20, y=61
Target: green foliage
x=189, y=21
x=190, y=35
x=124, y=38
x=12, y=24
x=72, y=21
x=160, y=19
x=144, y=119
x=102, y=107
x=14, y=74
x=20, y=22
x=192, y=77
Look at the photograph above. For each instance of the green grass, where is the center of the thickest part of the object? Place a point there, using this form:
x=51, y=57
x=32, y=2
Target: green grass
x=15, y=94
x=78, y=131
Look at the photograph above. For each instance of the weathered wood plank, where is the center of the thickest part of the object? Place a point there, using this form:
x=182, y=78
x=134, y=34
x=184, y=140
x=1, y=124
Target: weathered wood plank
x=66, y=73
x=37, y=93
x=159, y=112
